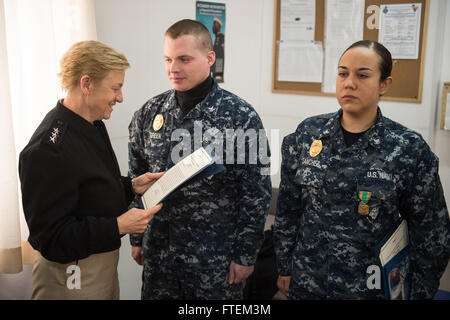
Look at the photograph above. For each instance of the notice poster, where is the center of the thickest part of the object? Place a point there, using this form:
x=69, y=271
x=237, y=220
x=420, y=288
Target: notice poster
x=400, y=29
x=298, y=20
x=344, y=25
x=212, y=15
x=300, y=61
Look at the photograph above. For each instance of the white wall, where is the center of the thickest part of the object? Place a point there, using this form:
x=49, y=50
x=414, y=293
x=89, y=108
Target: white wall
x=136, y=28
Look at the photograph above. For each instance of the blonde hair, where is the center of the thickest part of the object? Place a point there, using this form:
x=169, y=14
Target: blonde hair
x=92, y=58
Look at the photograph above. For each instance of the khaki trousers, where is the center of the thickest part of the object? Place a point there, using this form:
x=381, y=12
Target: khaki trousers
x=92, y=278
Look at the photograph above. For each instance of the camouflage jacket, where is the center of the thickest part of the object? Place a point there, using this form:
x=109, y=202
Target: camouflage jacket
x=220, y=218
x=322, y=241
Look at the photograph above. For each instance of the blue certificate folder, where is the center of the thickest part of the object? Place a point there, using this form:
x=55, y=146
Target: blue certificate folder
x=394, y=258
x=210, y=169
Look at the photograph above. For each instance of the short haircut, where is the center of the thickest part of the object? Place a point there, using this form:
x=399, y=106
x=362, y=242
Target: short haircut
x=193, y=28
x=92, y=58
x=385, y=64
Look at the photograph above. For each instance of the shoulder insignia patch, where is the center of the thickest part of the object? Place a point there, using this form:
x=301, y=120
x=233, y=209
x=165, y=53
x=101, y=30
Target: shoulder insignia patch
x=56, y=132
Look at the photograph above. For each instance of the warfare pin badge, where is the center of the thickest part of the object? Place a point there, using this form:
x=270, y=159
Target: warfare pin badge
x=158, y=122
x=316, y=148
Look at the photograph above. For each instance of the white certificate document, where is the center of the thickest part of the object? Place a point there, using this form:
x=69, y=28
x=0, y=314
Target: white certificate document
x=400, y=29
x=398, y=240
x=175, y=176
x=297, y=20
x=344, y=25
x=300, y=62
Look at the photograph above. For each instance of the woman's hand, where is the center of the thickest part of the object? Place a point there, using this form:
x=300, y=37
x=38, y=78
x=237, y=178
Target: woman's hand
x=136, y=220
x=144, y=181
x=283, y=284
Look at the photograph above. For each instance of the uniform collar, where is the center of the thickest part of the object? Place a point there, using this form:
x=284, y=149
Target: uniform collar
x=373, y=137
x=376, y=133
x=187, y=100
x=207, y=105
x=77, y=122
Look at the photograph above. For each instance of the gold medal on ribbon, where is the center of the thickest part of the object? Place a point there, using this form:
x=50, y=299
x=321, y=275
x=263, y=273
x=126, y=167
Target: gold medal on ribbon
x=158, y=122
x=316, y=148
x=363, y=209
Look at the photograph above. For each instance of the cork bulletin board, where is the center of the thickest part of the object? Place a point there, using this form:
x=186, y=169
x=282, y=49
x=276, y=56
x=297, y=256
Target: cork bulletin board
x=407, y=74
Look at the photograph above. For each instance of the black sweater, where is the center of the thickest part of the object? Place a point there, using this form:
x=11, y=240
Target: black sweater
x=72, y=190
x=187, y=100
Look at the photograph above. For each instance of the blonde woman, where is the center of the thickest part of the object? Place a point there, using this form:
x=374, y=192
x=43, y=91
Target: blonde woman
x=74, y=197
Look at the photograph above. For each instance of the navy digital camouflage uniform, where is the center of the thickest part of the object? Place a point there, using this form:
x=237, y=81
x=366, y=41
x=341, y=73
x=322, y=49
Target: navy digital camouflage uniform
x=320, y=239
x=189, y=244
